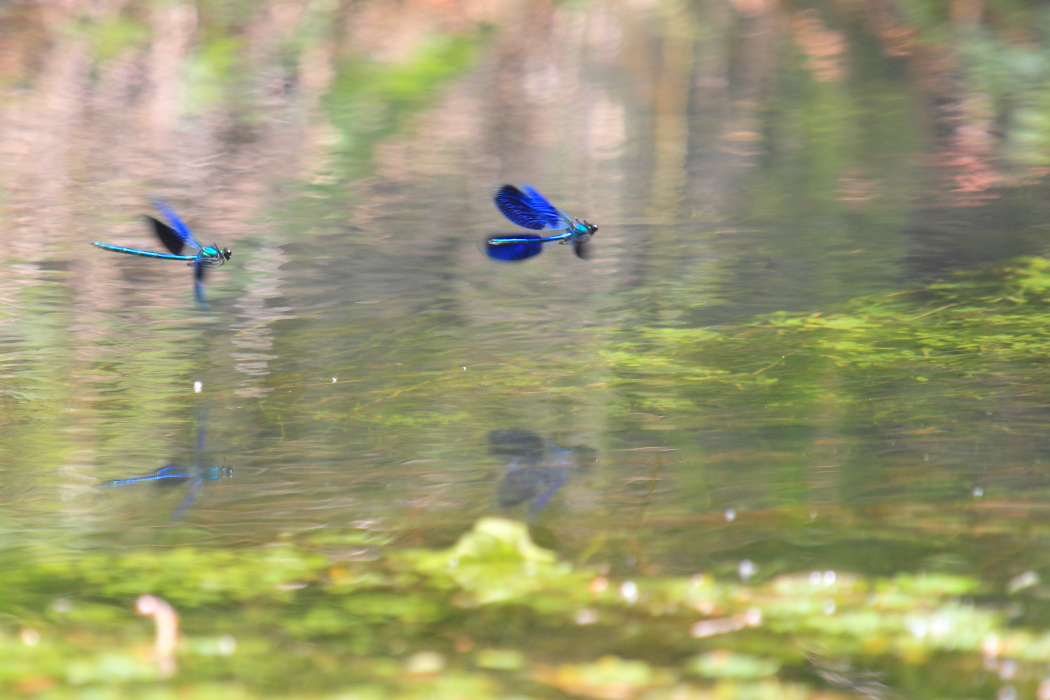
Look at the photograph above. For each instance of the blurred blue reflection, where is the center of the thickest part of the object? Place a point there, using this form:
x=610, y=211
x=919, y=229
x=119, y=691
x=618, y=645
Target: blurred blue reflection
x=536, y=468
x=173, y=476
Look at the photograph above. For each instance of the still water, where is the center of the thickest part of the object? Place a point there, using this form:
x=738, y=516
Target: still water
x=808, y=349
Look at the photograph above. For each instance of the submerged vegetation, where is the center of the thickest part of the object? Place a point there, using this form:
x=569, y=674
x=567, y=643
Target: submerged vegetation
x=990, y=325
x=349, y=616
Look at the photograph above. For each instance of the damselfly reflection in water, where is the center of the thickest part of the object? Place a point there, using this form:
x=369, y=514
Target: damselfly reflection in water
x=536, y=468
x=529, y=209
x=176, y=238
x=172, y=475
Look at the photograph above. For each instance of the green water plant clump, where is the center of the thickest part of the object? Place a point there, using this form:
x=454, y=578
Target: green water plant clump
x=345, y=615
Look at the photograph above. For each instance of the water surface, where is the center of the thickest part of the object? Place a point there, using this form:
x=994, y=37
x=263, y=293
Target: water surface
x=810, y=338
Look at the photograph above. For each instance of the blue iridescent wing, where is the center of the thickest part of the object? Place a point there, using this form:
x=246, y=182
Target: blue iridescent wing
x=582, y=249
x=187, y=501
x=557, y=219
x=523, y=248
x=528, y=208
x=198, y=281
x=168, y=236
x=177, y=226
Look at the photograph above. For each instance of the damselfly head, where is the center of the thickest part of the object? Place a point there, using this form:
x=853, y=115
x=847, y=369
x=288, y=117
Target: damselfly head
x=217, y=254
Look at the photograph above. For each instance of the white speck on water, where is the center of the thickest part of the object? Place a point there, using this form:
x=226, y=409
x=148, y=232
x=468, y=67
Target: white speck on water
x=197, y=386
x=828, y=606
x=1021, y=581
x=978, y=492
x=227, y=645
x=918, y=628
x=730, y=515
x=424, y=663
x=991, y=646
x=629, y=591
x=815, y=578
x=747, y=569
x=586, y=616
x=940, y=626
x=334, y=380
x=829, y=578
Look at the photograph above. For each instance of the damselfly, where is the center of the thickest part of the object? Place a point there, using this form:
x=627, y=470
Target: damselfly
x=176, y=238
x=529, y=209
